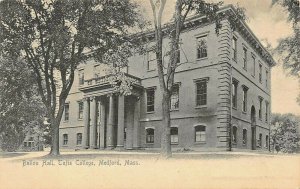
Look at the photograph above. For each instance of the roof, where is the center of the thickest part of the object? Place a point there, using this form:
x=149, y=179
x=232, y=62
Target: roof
x=243, y=28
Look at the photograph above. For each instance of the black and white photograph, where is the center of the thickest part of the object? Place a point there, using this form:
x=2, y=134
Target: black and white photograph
x=149, y=94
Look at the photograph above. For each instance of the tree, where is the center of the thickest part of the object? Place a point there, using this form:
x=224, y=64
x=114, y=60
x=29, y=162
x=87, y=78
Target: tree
x=20, y=106
x=289, y=47
x=183, y=8
x=285, y=134
x=54, y=36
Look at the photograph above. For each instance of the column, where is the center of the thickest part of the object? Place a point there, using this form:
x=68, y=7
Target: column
x=121, y=106
x=102, y=125
x=129, y=124
x=86, y=118
x=136, y=124
x=93, y=129
x=110, y=122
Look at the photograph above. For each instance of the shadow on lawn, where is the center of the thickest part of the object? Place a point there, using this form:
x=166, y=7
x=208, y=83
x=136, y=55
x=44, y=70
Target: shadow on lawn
x=11, y=154
x=212, y=156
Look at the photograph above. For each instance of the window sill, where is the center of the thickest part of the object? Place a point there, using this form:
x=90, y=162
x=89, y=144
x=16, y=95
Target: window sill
x=150, y=112
x=201, y=107
x=149, y=143
x=66, y=121
x=65, y=145
x=151, y=70
x=79, y=145
x=174, y=143
x=200, y=142
x=80, y=119
x=174, y=110
x=235, y=108
x=245, y=68
x=244, y=112
x=200, y=59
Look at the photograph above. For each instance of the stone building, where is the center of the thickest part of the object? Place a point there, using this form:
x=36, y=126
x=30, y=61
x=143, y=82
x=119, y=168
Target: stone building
x=221, y=79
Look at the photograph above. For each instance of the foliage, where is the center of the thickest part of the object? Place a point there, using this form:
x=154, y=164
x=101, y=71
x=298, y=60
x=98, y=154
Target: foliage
x=20, y=105
x=292, y=7
x=285, y=132
x=117, y=63
x=289, y=47
x=54, y=37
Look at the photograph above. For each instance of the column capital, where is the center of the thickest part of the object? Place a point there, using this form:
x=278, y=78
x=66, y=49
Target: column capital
x=86, y=99
x=110, y=94
x=93, y=98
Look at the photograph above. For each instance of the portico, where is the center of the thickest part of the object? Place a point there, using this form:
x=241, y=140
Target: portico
x=106, y=123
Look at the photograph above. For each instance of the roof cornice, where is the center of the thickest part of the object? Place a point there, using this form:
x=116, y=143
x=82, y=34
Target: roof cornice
x=198, y=20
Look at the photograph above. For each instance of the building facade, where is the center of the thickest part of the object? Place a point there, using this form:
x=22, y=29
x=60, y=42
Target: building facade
x=222, y=91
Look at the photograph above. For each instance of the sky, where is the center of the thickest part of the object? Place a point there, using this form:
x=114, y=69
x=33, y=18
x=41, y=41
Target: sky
x=267, y=23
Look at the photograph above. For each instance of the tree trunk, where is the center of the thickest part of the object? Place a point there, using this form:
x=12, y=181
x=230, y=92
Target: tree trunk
x=55, y=137
x=166, y=130
x=55, y=122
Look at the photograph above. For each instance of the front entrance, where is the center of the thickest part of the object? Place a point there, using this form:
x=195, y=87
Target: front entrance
x=253, y=128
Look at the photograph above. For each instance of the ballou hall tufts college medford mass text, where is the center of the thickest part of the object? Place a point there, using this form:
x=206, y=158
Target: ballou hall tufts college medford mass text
x=224, y=79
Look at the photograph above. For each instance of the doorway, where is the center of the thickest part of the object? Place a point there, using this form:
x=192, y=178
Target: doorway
x=253, y=128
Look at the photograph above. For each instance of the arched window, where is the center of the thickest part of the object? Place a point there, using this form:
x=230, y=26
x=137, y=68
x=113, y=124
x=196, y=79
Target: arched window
x=200, y=133
x=234, y=134
x=260, y=140
x=267, y=141
x=79, y=138
x=174, y=135
x=150, y=135
x=65, y=137
x=244, y=136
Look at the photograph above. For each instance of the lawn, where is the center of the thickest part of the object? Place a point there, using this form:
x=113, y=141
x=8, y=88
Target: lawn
x=147, y=170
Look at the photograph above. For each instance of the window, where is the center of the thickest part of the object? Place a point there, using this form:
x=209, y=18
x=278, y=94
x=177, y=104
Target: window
x=150, y=99
x=267, y=76
x=25, y=144
x=200, y=134
x=175, y=97
x=202, y=47
x=253, y=66
x=174, y=135
x=267, y=111
x=80, y=110
x=150, y=135
x=178, y=57
x=245, y=58
x=201, y=92
x=234, y=134
x=79, y=138
x=65, y=139
x=151, y=62
x=260, y=107
x=234, y=93
x=244, y=136
x=267, y=142
x=81, y=77
x=245, y=90
x=234, y=47
x=260, y=73
x=67, y=112
x=125, y=133
x=97, y=71
x=260, y=140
